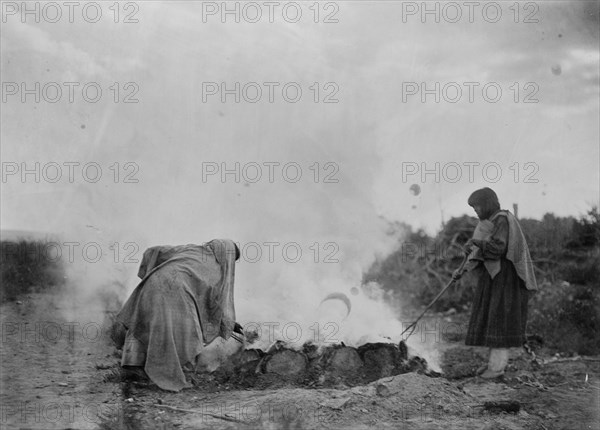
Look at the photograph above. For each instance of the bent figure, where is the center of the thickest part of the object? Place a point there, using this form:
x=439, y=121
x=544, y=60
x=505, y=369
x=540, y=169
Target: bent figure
x=501, y=262
x=184, y=301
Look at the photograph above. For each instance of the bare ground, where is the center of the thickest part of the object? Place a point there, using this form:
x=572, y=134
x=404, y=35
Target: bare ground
x=60, y=372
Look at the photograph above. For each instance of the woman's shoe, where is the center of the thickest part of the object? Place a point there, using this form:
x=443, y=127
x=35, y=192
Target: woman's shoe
x=490, y=374
x=134, y=373
x=481, y=369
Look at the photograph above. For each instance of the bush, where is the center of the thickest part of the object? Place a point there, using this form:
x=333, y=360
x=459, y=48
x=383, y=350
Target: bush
x=421, y=266
x=567, y=317
x=582, y=272
x=26, y=267
x=586, y=231
x=566, y=256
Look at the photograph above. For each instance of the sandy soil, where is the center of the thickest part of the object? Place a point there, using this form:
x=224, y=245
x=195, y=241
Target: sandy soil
x=60, y=372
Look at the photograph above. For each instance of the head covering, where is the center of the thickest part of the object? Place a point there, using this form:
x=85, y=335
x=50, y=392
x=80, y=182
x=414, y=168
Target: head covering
x=221, y=307
x=487, y=199
x=214, y=300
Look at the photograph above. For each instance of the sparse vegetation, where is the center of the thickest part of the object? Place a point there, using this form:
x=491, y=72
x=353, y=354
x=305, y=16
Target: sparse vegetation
x=566, y=253
x=27, y=266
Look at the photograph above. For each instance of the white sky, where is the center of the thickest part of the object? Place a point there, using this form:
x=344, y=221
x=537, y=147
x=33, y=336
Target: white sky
x=370, y=135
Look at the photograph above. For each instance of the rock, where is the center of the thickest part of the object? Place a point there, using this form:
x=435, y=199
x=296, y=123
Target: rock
x=403, y=350
x=99, y=366
x=511, y=406
x=251, y=336
x=336, y=363
x=344, y=360
x=310, y=350
x=417, y=364
x=381, y=359
x=250, y=355
x=286, y=363
x=383, y=390
x=278, y=345
x=245, y=361
x=335, y=403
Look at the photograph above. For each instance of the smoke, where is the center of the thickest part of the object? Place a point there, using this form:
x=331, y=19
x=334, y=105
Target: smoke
x=335, y=165
x=297, y=188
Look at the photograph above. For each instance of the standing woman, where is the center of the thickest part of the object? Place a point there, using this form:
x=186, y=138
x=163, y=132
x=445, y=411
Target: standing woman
x=501, y=262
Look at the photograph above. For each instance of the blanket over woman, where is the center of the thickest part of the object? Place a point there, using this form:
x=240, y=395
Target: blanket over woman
x=517, y=251
x=184, y=301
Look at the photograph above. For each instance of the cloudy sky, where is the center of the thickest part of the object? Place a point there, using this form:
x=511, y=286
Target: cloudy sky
x=546, y=150
x=529, y=129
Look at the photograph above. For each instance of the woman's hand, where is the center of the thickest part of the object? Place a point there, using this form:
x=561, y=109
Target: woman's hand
x=473, y=242
x=456, y=275
x=237, y=328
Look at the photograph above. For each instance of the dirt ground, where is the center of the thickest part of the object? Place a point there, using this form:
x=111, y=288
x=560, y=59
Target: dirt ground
x=62, y=372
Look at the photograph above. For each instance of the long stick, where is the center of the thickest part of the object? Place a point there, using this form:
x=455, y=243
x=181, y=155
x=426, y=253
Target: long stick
x=236, y=337
x=452, y=281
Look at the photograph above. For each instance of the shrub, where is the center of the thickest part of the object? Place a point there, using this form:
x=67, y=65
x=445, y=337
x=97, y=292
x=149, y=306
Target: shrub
x=566, y=255
x=25, y=268
x=567, y=317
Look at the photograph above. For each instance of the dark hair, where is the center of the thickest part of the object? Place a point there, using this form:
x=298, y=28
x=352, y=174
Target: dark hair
x=487, y=199
x=237, y=252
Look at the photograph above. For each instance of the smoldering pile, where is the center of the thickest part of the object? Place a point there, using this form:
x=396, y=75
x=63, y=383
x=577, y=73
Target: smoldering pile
x=315, y=365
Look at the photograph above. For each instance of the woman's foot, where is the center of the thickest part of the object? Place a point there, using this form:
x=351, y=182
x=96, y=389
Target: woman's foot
x=134, y=373
x=481, y=369
x=490, y=374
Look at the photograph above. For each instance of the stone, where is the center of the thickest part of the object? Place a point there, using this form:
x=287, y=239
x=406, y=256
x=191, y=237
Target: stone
x=286, y=362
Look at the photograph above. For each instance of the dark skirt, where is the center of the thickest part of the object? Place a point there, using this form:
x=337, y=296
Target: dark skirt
x=499, y=309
